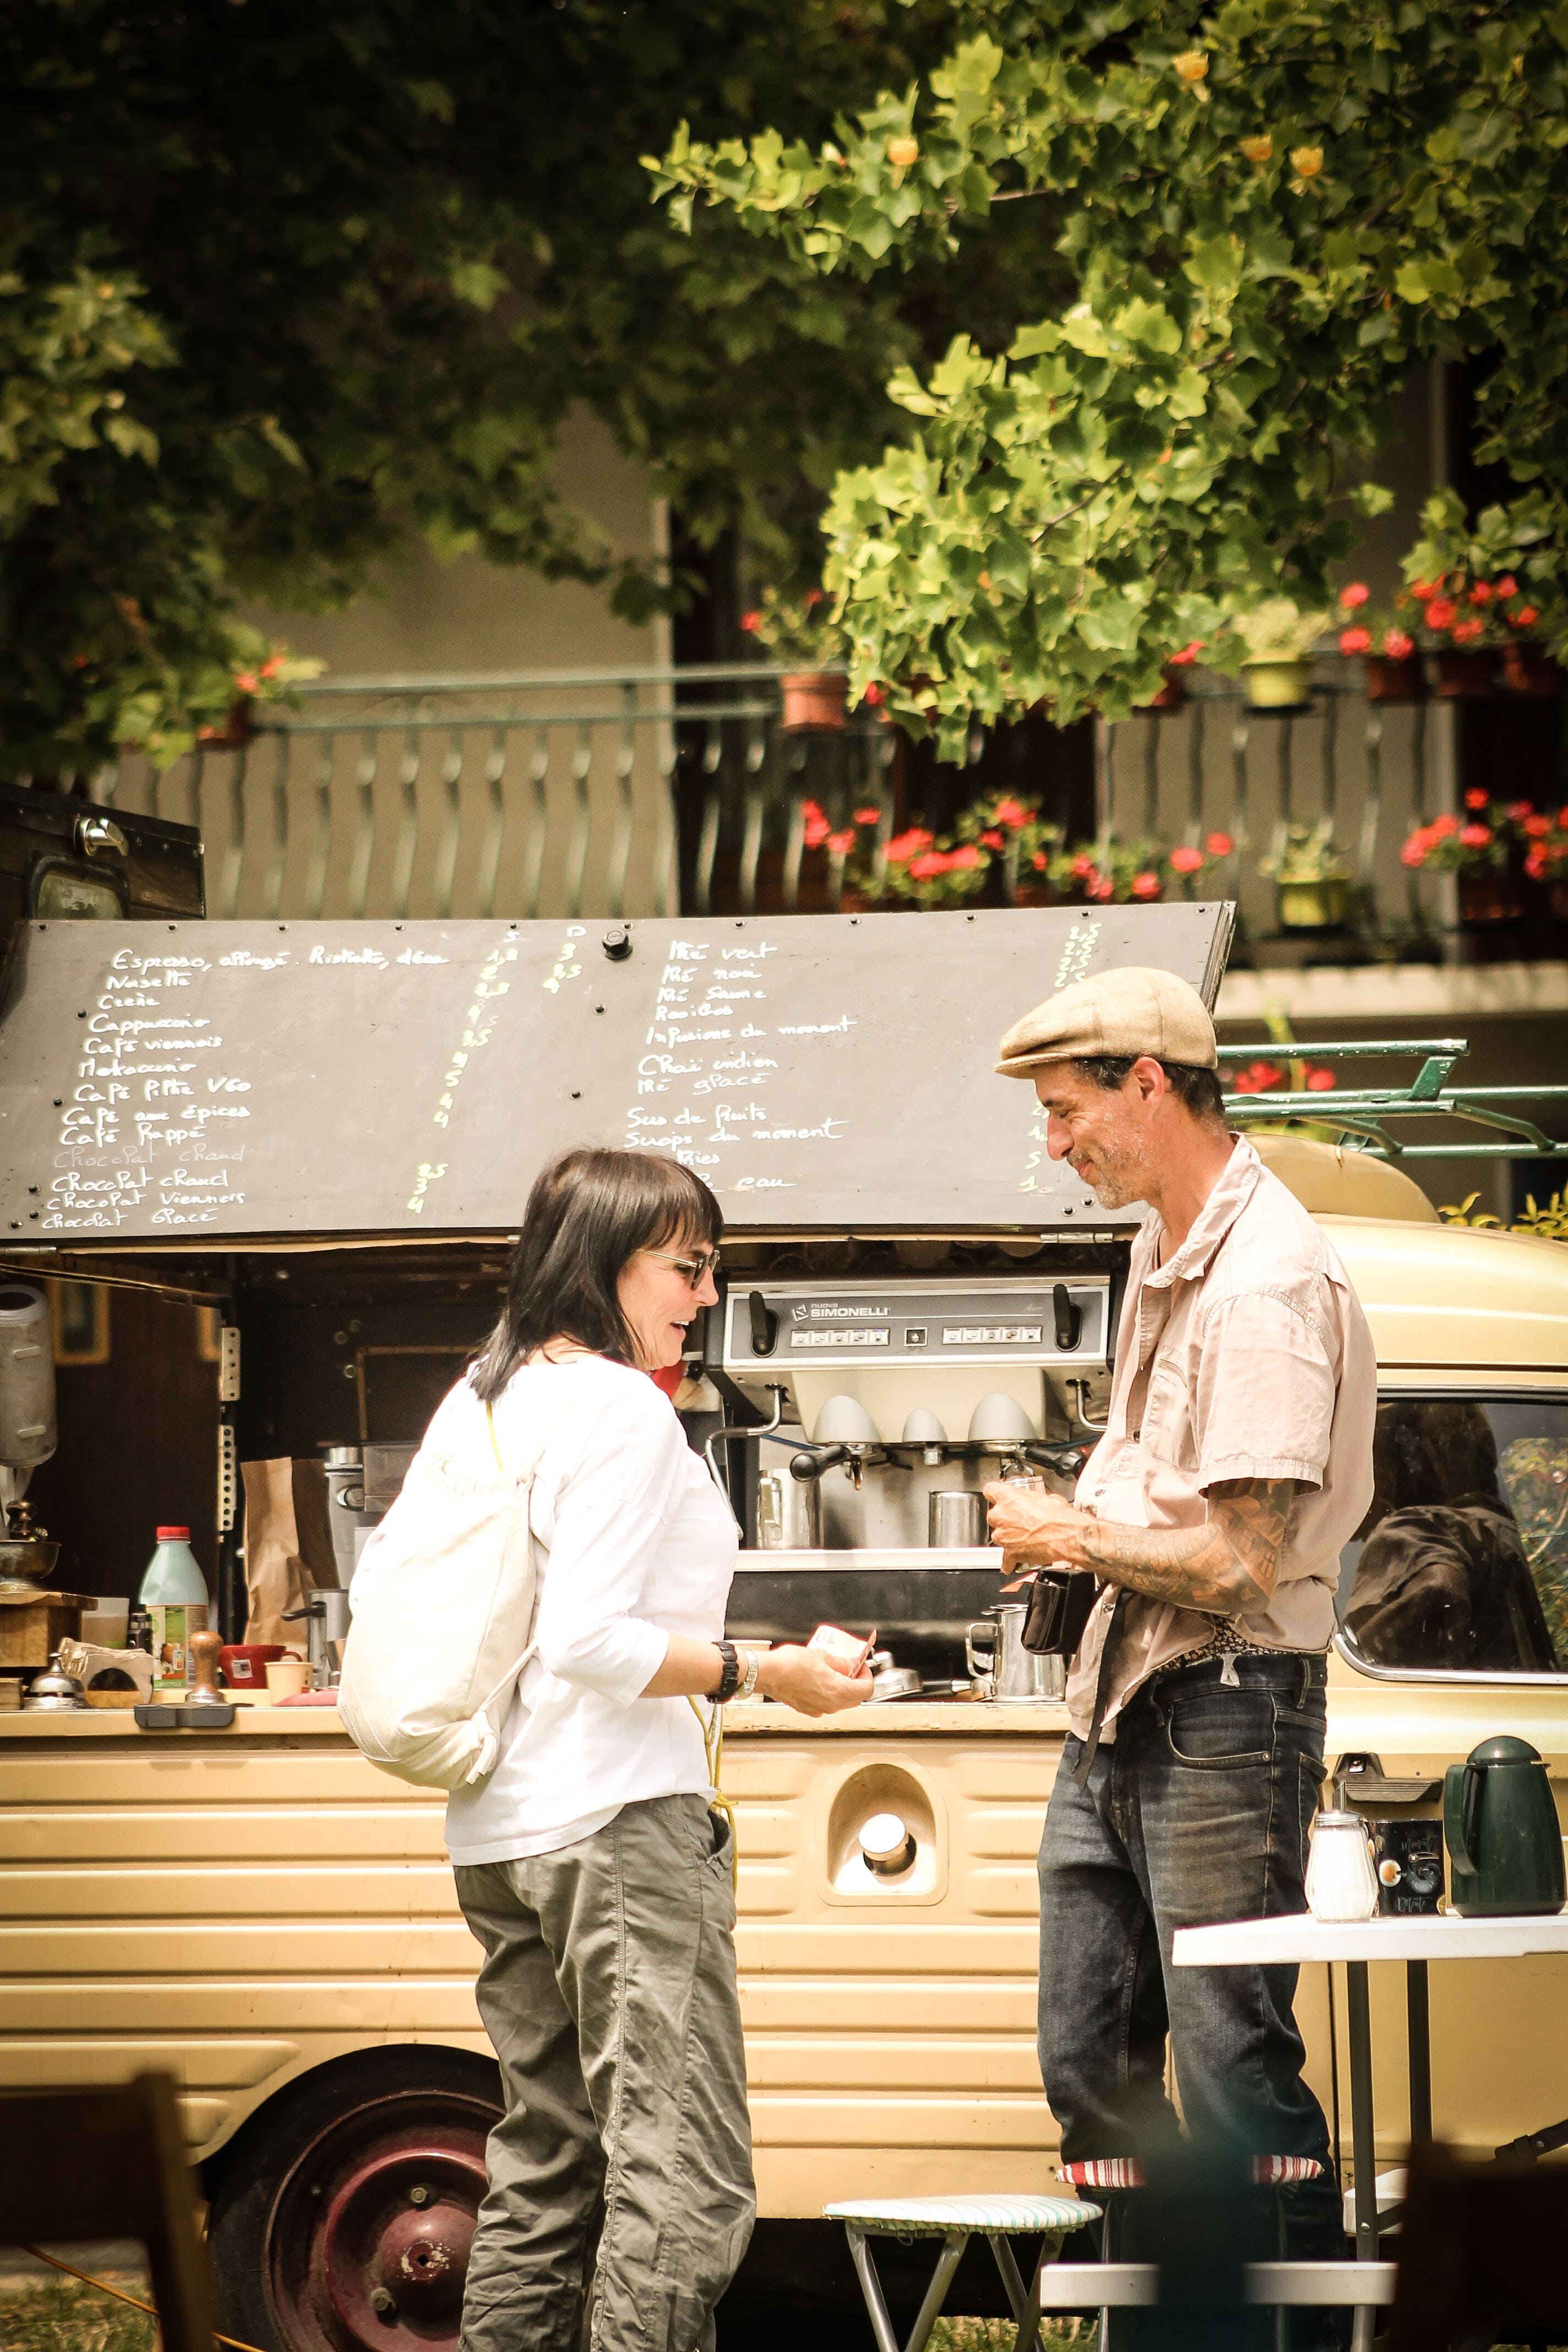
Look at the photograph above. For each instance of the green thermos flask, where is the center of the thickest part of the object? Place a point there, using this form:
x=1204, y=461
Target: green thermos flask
x=1501, y=1823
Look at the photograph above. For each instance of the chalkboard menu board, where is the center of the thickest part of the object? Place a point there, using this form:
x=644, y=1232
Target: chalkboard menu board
x=207, y=1080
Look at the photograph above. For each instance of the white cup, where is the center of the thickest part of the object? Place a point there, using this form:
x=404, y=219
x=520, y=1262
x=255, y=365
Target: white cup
x=287, y=1678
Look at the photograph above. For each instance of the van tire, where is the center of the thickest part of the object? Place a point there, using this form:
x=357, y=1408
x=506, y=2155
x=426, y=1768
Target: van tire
x=361, y=2178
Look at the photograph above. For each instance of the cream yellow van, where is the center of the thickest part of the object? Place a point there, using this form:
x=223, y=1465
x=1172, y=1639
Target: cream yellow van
x=260, y=1913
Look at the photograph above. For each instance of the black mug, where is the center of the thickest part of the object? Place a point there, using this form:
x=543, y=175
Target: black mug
x=1060, y=1601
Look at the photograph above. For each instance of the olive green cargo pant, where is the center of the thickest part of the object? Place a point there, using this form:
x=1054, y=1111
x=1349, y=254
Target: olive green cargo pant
x=608, y=1989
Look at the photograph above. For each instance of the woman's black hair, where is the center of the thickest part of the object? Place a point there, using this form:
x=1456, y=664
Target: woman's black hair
x=588, y=1214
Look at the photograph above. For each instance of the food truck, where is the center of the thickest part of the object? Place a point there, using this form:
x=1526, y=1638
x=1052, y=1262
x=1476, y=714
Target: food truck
x=326, y=1131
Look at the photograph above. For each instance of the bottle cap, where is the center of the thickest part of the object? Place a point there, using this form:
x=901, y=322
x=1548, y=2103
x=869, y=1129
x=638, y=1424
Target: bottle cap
x=174, y=1535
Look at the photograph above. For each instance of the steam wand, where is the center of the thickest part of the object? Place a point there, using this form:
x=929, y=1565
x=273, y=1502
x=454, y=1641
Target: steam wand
x=778, y=1391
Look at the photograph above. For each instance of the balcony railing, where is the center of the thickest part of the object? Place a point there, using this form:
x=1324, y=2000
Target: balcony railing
x=662, y=791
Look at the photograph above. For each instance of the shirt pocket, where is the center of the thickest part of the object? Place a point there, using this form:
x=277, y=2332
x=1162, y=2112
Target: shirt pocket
x=1167, y=1427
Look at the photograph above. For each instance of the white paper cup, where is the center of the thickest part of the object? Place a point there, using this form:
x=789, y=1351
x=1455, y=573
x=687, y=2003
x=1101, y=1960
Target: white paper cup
x=287, y=1678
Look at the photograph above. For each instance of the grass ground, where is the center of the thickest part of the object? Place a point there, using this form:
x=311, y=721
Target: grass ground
x=59, y=2315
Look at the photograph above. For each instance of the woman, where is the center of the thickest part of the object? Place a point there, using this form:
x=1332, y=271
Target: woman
x=588, y=1863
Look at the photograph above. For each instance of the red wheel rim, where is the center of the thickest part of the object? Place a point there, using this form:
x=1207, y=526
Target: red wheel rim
x=368, y=2239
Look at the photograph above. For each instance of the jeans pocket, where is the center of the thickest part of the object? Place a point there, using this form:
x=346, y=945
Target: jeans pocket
x=1218, y=1730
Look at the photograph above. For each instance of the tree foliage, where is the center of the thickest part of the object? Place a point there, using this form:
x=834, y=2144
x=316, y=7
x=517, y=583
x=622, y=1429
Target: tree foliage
x=1269, y=213
x=278, y=281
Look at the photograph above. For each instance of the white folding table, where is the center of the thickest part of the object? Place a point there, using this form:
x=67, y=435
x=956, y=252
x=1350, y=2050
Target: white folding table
x=1245, y=1943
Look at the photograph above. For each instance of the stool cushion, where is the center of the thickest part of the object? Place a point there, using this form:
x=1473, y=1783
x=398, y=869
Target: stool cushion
x=1129, y=2172
x=931, y=2216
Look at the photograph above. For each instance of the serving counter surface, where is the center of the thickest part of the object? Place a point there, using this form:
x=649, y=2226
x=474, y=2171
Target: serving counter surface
x=897, y=1719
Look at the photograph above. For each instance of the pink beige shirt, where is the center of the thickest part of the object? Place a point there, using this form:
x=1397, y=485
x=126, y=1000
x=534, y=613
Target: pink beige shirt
x=1244, y=1356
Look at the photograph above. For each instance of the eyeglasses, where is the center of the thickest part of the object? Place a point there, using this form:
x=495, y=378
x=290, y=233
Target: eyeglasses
x=695, y=1269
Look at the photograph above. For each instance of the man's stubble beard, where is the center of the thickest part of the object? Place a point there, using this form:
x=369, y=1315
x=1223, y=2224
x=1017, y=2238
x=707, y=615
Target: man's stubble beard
x=1118, y=1181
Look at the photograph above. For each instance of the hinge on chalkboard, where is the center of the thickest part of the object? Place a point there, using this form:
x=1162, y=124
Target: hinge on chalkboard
x=228, y=1365
x=227, y=1478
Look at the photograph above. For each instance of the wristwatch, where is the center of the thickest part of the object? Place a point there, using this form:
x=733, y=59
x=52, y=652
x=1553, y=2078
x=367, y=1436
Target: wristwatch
x=730, y=1675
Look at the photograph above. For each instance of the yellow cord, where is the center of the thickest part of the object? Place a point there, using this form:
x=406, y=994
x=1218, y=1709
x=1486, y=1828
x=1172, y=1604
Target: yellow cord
x=712, y=1730
x=121, y=2296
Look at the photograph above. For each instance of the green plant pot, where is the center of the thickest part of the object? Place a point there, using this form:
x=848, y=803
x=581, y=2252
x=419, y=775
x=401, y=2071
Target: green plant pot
x=1277, y=685
x=1311, y=906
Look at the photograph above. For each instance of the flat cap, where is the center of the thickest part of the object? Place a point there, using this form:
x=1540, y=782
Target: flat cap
x=1131, y=1011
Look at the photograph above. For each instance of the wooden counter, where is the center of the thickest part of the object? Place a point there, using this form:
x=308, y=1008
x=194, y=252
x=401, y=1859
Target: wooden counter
x=895, y=1719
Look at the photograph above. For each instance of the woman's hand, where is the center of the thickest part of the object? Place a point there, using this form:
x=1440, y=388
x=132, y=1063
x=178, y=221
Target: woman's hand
x=811, y=1681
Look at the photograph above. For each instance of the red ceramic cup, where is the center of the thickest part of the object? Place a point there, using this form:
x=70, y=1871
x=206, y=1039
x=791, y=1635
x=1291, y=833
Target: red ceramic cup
x=244, y=1664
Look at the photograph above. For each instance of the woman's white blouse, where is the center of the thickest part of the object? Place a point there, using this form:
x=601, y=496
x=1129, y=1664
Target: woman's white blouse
x=634, y=1543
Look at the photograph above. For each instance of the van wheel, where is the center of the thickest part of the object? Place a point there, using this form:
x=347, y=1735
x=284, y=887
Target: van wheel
x=342, y=2214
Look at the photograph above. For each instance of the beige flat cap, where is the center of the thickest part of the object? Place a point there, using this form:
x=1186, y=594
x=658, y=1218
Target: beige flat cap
x=1132, y=1011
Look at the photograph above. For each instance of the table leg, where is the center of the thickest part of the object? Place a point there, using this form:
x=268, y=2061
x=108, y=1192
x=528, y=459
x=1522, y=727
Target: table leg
x=1364, y=2141
x=1418, y=2040
x=1026, y=2307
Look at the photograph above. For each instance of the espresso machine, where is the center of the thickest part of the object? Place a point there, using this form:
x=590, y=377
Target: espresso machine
x=864, y=1416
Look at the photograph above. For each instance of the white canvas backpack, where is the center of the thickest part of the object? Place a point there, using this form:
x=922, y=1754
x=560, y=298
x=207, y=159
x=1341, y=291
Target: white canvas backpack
x=442, y=1606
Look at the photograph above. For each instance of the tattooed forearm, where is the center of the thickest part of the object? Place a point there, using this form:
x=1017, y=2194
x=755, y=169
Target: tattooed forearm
x=1229, y=1567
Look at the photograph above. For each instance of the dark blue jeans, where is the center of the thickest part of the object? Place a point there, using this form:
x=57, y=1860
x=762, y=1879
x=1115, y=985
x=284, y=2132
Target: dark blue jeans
x=1197, y=1812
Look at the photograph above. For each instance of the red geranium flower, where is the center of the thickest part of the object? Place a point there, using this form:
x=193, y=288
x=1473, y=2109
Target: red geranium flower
x=1482, y=592
x=906, y=845
x=751, y=622
x=1219, y=844
x=1536, y=825
x=1354, y=595
x=1083, y=867
x=993, y=841
x=1414, y=850
x=1257, y=1077
x=1520, y=810
x=1011, y=812
x=1508, y=585
x=1422, y=589
x=1441, y=614
x=1145, y=885
x=962, y=860
x=841, y=843
x=1442, y=826
x=1319, y=1080
x=927, y=866
x=1466, y=632
x=1187, y=861
x=1355, y=641
x=1397, y=646
x=1039, y=861
x=1535, y=864
x=1474, y=837
x=1188, y=654
x=1475, y=798
x=872, y=695
x=868, y=816
x=1526, y=617
x=817, y=827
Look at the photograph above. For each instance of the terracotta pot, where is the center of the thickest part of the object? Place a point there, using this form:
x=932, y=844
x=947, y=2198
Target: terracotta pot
x=1173, y=695
x=815, y=698
x=1526, y=670
x=1489, y=897
x=1035, y=892
x=1277, y=685
x=1466, y=676
x=1311, y=906
x=236, y=731
x=1394, y=681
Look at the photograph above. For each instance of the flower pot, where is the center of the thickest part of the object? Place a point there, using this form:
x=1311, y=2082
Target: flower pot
x=1489, y=897
x=1467, y=676
x=815, y=698
x=1173, y=695
x=1317, y=906
x=1526, y=670
x=238, y=730
x=1035, y=892
x=1394, y=681
x=1277, y=685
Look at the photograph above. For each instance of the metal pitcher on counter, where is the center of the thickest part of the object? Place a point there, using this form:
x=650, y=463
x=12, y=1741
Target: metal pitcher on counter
x=998, y=1662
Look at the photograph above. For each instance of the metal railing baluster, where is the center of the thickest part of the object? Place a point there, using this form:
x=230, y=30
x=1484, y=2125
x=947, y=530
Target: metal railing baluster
x=1195, y=716
x=495, y=824
x=533, y=859
x=620, y=850
x=364, y=832
x=1152, y=726
x=708, y=838
x=752, y=831
x=1241, y=738
x=321, y=856
x=234, y=859
x=272, y=889
x=407, y=824
x=577, y=853
x=451, y=824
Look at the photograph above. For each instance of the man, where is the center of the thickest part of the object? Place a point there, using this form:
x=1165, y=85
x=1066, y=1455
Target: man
x=1235, y=1461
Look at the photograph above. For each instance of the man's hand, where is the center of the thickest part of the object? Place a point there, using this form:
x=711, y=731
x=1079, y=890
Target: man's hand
x=1229, y=1567
x=1036, y=1529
